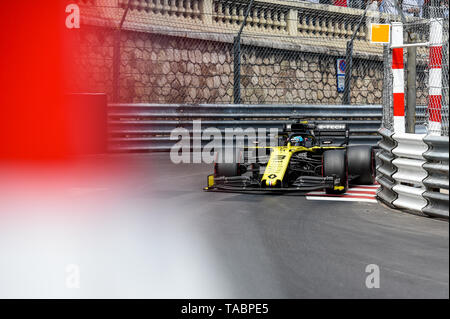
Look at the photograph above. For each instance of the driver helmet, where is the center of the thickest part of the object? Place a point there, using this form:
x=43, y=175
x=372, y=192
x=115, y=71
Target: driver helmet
x=297, y=140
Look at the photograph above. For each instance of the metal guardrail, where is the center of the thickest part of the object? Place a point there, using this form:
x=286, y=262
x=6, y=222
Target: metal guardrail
x=410, y=174
x=413, y=173
x=147, y=127
x=244, y=111
x=386, y=169
x=437, y=180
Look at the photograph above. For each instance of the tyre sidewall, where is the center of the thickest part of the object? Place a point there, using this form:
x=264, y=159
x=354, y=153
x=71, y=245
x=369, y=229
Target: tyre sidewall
x=335, y=163
x=361, y=163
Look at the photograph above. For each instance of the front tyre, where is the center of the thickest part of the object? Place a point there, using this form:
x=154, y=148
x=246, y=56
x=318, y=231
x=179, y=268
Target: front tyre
x=335, y=163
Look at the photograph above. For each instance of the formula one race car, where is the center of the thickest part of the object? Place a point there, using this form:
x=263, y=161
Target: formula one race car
x=309, y=156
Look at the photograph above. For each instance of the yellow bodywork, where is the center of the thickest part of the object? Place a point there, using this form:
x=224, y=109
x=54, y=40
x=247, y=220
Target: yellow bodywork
x=277, y=165
x=279, y=162
x=210, y=180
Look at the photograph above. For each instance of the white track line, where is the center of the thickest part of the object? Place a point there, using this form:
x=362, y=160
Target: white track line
x=343, y=199
x=365, y=186
x=366, y=193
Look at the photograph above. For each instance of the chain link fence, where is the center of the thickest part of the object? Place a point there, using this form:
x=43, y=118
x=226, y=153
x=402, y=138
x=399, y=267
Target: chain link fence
x=182, y=51
x=289, y=52
x=413, y=31
x=417, y=93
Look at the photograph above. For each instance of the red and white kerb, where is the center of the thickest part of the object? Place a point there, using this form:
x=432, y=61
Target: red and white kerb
x=398, y=77
x=435, y=77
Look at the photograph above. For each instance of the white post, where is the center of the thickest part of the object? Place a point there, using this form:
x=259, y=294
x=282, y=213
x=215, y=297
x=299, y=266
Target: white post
x=398, y=89
x=435, y=77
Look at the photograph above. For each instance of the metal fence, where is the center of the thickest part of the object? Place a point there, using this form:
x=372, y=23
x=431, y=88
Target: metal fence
x=184, y=51
x=289, y=52
x=418, y=63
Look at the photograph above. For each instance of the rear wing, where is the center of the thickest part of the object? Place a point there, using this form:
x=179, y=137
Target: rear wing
x=332, y=134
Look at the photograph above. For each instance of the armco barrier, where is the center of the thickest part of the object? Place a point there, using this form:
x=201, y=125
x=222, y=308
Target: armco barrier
x=413, y=172
x=385, y=168
x=147, y=127
x=410, y=173
x=437, y=182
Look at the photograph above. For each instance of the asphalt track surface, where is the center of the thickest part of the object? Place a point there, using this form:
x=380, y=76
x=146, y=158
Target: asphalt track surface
x=138, y=226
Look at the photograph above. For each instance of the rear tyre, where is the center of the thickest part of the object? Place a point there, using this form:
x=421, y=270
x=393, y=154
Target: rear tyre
x=361, y=164
x=335, y=163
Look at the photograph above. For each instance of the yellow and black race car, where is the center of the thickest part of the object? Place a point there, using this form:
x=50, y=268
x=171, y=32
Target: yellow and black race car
x=309, y=156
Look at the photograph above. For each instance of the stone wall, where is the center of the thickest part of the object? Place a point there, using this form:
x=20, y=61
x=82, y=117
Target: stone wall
x=165, y=69
x=90, y=53
x=168, y=69
x=282, y=76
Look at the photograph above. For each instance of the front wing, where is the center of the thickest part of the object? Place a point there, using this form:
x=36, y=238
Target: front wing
x=248, y=185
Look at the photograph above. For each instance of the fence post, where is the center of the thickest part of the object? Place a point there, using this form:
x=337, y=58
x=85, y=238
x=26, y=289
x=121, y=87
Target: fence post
x=398, y=85
x=387, y=117
x=116, y=66
x=348, y=73
x=435, y=77
x=237, y=70
x=346, y=99
x=116, y=55
x=411, y=90
x=237, y=58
